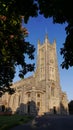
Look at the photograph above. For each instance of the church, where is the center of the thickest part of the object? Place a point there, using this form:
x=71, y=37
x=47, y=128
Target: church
x=40, y=93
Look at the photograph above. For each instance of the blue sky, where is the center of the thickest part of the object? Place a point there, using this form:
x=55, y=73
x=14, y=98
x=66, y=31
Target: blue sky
x=37, y=28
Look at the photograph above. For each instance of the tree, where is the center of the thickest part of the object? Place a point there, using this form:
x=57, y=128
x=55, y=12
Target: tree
x=61, y=12
x=13, y=47
x=70, y=105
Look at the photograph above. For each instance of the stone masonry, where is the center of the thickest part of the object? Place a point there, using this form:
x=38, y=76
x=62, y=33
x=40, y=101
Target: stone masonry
x=40, y=93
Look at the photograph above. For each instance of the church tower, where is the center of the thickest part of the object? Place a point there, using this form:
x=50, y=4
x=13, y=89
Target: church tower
x=48, y=74
x=47, y=64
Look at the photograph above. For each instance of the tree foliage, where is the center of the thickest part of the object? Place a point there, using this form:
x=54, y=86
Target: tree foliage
x=70, y=105
x=61, y=12
x=13, y=47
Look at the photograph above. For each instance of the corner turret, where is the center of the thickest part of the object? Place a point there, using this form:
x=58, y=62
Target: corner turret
x=46, y=38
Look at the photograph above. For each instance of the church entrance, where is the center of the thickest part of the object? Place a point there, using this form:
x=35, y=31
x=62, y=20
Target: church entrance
x=54, y=110
x=28, y=108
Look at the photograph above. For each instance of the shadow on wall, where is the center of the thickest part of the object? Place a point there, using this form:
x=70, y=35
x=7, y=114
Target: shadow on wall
x=58, y=111
x=5, y=110
x=64, y=111
x=28, y=109
x=31, y=109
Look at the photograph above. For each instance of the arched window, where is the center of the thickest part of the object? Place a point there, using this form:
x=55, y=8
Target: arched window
x=19, y=100
x=52, y=91
x=38, y=95
x=29, y=94
x=38, y=104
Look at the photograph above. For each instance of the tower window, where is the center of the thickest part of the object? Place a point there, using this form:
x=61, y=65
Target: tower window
x=52, y=91
x=38, y=95
x=38, y=104
x=29, y=95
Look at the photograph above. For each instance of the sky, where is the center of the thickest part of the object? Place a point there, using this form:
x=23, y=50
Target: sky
x=37, y=28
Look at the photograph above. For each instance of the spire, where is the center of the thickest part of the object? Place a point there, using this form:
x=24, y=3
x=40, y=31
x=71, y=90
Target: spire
x=46, y=38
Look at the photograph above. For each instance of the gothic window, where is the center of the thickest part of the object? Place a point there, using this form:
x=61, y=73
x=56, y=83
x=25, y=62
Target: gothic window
x=38, y=104
x=19, y=100
x=28, y=107
x=52, y=91
x=38, y=95
x=29, y=95
x=52, y=73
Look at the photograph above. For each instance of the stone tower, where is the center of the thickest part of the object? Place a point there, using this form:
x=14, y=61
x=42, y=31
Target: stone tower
x=40, y=93
x=47, y=73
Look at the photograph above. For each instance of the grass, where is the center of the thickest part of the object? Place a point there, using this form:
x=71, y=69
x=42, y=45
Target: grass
x=7, y=122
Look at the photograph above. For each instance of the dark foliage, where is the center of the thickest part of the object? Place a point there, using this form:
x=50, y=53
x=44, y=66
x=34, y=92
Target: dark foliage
x=13, y=47
x=61, y=12
x=70, y=105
